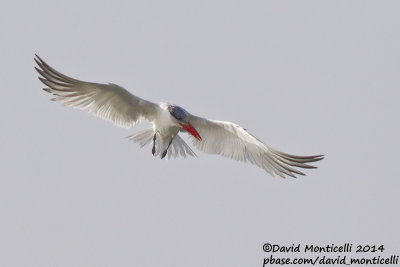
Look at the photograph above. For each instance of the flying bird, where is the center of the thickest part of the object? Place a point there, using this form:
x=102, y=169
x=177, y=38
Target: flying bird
x=113, y=103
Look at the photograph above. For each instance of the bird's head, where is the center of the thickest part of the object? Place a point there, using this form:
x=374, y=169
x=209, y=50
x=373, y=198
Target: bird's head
x=181, y=117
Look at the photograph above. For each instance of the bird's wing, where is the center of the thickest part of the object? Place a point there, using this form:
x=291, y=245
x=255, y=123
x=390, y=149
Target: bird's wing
x=107, y=101
x=233, y=141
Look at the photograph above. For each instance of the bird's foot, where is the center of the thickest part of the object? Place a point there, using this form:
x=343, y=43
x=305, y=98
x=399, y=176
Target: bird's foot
x=153, y=150
x=165, y=151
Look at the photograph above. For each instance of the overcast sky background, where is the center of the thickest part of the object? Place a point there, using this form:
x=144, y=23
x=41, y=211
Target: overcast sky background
x=306, y=77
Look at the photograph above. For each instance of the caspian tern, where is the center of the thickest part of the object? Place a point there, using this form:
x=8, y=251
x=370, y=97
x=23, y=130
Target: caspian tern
x=113, y=103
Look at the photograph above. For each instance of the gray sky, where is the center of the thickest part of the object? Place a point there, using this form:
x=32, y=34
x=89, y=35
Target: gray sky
x=306, y=77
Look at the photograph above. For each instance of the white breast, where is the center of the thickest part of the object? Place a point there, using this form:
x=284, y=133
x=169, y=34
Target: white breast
x=164, y=123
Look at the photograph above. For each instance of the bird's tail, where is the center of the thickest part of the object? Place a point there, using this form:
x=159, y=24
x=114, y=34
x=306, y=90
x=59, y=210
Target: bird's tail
x=143, y=137
x=177, y=148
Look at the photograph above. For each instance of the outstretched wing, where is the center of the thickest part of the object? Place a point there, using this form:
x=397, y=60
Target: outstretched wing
x=233, y=141
x=107, y=101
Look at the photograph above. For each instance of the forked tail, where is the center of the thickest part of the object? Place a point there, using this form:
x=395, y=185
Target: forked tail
x=177, y=148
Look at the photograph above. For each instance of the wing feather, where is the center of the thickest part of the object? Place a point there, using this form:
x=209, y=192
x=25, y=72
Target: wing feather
x=233, y=141
x=107, y=101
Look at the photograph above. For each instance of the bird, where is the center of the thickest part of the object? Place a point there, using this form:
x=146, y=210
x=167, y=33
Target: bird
x=113, y=103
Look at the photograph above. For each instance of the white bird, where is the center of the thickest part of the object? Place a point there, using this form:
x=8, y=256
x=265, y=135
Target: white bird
x=113, y=103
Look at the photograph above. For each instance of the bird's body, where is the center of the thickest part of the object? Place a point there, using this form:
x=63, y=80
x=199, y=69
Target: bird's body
x=164, y=123
x=113, y=103
x=165, y=129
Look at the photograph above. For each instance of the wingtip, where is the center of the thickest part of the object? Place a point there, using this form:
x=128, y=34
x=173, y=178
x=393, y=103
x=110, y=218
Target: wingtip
x=319, y=157
x=39, y=60
x=38, y=70
x=300, y=173
x=36, y=58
